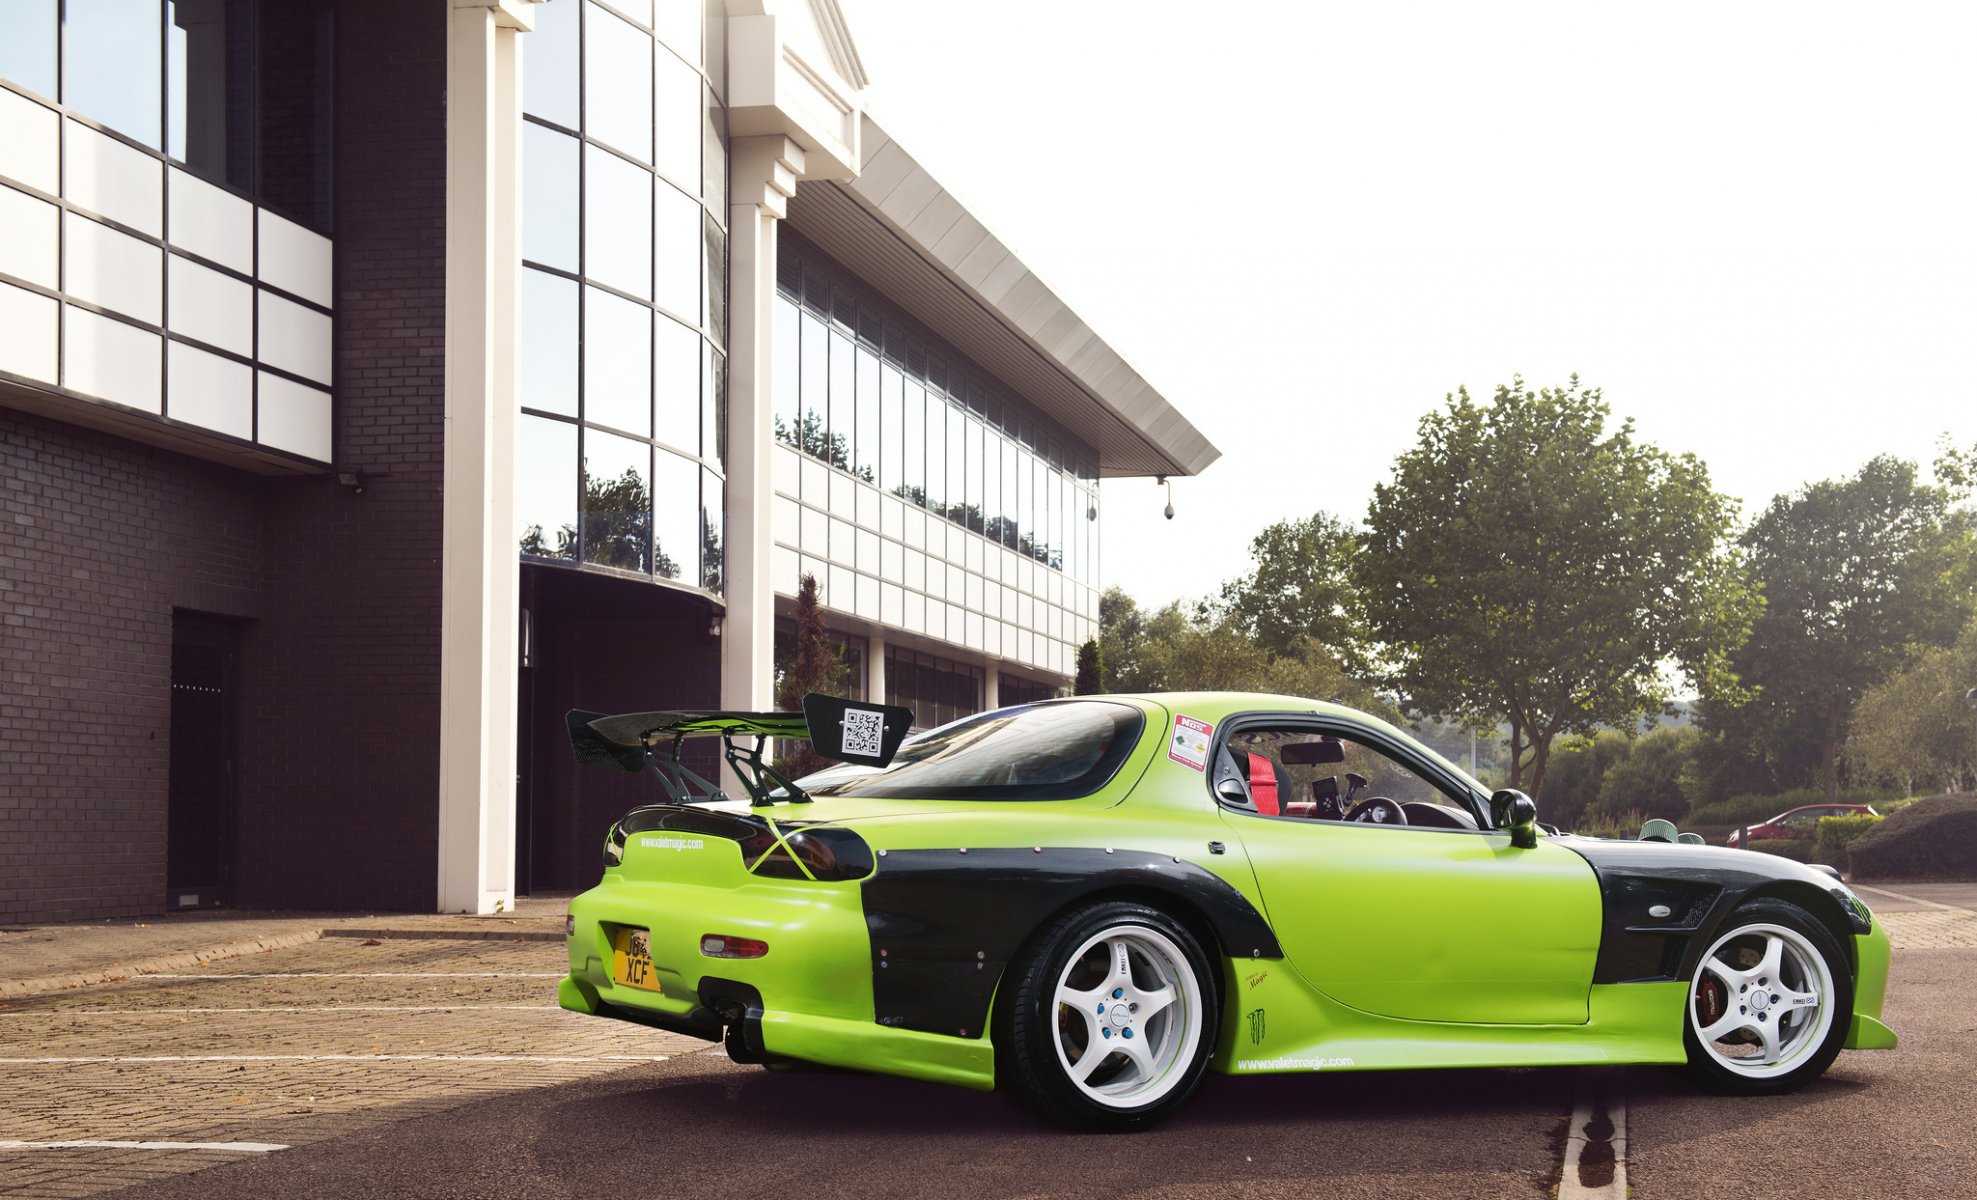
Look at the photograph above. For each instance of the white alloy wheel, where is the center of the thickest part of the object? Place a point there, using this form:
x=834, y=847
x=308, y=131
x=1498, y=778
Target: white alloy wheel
x=1128, y=1016
x=1762, y=1001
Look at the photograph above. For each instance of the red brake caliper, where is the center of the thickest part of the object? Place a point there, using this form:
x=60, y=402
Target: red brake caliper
x=1709, y=1001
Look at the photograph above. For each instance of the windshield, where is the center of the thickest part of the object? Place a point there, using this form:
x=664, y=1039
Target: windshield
x=1054, y=751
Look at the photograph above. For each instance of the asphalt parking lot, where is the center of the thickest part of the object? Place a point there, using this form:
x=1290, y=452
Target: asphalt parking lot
x=416, y=1067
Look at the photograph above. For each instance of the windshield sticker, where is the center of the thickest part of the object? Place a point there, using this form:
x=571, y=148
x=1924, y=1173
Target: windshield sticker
x=1189, y=745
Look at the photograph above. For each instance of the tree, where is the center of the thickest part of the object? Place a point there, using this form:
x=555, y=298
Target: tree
x=1299, y=585
x=811, y=662
x=1528, y=563
x=1651, y=779
x=1856, y=573
x=1915, y=727
x=617, y=528
x=1091, y=670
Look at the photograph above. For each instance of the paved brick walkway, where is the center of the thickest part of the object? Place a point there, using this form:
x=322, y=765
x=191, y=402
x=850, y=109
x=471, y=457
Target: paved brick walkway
x=1925, y=916
x=285, y=1046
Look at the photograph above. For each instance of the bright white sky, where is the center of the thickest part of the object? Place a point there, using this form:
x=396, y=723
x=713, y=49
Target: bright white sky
x=1753, y=225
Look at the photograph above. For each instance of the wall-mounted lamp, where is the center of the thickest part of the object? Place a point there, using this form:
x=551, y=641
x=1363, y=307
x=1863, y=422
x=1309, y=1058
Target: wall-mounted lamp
x=351, y=481
x=1163, y=481
x=714, y=627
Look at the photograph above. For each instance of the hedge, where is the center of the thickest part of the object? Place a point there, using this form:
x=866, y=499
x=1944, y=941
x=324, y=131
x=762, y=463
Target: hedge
x=1934, y=838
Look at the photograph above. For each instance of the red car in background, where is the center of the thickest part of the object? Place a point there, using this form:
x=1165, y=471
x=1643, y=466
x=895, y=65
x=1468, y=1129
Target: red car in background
x=1800, y=822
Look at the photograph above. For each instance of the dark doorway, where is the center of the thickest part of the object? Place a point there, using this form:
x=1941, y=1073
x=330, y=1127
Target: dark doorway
x=608, y=644
x=199, y=829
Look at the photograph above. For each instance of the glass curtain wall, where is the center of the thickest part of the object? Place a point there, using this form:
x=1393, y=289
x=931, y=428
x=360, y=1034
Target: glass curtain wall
x=864, y=388
x=236, y=91
x=624, y=320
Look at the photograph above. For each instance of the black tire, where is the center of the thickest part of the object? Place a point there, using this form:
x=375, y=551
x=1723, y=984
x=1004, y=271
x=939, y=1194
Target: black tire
x=1135, y=954
x=1749, y=1003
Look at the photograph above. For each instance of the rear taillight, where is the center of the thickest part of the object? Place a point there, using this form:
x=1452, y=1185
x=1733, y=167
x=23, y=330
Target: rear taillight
x=824, y=854
x=720, y=945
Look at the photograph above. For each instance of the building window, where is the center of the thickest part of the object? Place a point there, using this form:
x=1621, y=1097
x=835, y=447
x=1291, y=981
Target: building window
x=938, y=690
x=867, y=390
x=624, y=254
x=1014, y=689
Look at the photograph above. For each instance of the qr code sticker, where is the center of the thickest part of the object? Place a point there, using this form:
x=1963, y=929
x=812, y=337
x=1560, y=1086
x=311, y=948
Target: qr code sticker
x=864, y=732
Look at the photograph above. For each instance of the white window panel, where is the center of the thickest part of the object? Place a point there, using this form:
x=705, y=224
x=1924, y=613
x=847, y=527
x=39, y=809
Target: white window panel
x=844, y=589
x=119, y=362
x=915, y=573
x=295, y=259
x=868, y=505
x=974, y=592
x=785, y=469
x=892, y=604
x=868, y=598
x=844, y=542
x=957, y=622
x=1029, y=579
x=974, y=553
x=1026, y=646
x=1010, y=596
x=785, y=521
x=844, y=495
x=782, y=569
x=892, y=517
x=207, y=390
x=935, y=536
x=977, y=637
x=30, y=238
x=294, y=417
x=294, y=338
x=1054, y=592
x=992, y=637
x=992, y=564
x=28, y=333
x=868, y=552
x=214, y=308
x=816, y=483
x=916, y=528
x=816, y=537
x=957, y=583
x=211, y=222
x=936, y=622
x=891, y=561
x=916, y=612
x=30, y=143
x=935, y=584
x=107, y=177
x=114, y=270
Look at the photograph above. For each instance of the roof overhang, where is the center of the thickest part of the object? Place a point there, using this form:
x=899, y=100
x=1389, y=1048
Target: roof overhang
x=899, y=229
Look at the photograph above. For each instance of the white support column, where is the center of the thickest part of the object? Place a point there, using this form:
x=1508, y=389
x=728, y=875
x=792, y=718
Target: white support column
x=991, y=686
x=479, y=566
x=764, y=171
x=875, y=668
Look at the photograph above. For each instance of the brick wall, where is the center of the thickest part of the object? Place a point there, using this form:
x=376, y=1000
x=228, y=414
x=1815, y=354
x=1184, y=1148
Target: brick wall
x=338, y=593
x=99, y=539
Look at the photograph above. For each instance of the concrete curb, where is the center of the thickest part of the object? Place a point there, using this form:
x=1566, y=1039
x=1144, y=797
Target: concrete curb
x=154, y=966
x=461, y=935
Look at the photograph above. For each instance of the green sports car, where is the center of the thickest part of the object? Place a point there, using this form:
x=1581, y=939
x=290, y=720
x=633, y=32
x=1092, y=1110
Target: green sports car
x=1095, y=901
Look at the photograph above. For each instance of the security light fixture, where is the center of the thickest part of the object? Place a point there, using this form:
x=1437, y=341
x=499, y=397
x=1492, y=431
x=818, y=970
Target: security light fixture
x=1163, y=481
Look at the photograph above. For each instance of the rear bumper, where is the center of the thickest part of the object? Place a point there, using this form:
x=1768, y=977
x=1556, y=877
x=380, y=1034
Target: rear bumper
x=809, y=998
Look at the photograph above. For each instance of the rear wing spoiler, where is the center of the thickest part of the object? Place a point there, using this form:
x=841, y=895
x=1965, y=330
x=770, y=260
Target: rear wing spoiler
x=846, y=730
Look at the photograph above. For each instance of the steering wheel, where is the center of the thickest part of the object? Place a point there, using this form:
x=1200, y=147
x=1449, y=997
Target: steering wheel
x=1377, y=810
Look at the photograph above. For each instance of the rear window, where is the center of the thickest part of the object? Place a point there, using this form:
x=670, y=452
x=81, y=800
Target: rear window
x=1056, y=751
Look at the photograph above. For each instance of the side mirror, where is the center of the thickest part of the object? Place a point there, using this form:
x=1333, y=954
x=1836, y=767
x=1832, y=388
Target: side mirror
x=1514, y=812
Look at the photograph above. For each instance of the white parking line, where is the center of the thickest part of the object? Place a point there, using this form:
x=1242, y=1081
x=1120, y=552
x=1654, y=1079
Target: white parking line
x=1595, y=1166
x=237, y=1147
x=364, y=975
x=247, y=1058
x=325, y=1008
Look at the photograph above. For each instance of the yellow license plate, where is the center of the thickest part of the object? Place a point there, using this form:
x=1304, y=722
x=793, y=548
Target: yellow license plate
x=631, y=959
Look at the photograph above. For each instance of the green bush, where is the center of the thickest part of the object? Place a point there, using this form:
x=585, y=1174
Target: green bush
x=1835, y=834
x=1752, y=809
x=1625, y=826
x=1934, y=838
